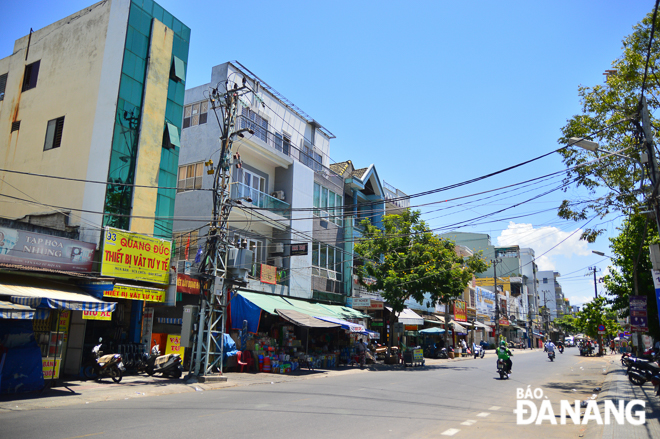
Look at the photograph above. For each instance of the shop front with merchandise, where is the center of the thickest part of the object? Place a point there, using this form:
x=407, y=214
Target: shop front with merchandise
x=281, y=334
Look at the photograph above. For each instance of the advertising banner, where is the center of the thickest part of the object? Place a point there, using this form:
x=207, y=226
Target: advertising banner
x=268, y=274
x=133, y=256
x=173, y=345
x=187, y=284
x=656, y=284
x=97, y=315
x=375, y=305
x=136, y=293
x=45, y=251
x=147, y=325
x=485, y=305
x=460, y=312
x=299, y=249
x=639, y=321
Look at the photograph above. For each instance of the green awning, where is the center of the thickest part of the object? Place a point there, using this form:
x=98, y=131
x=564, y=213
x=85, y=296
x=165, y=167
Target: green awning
x=271, y=303
x=171, y=137
x=344, y=312
x=265, y=302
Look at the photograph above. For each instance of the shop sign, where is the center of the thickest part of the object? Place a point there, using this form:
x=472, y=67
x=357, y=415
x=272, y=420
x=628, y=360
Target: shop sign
x=460, y=314
x=299, y=249
x=129, y=255
x=504, y=321
x=358, y=302
x=418, y=355
x=136, y=293
x=472, y=313
x=375, y=306
x=187, y=284
x=65, y=317
x=268, y=274
x=50, y=368
x=97, y=315
x=19, y=247
x=173, y=345
x=410, y=327
x=376, y=323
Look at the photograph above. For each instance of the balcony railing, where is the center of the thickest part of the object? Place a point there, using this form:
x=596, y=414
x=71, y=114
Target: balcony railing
x=274, y=140
x=260, y=199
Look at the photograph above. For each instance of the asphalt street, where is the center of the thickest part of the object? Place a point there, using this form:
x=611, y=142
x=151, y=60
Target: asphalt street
x=452, y=399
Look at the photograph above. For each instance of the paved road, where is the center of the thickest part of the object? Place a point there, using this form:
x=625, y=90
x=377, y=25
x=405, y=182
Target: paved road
x=451, y=399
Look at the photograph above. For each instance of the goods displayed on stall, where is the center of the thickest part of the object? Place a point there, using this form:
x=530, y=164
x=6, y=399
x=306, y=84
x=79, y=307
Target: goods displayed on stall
x=284, y=353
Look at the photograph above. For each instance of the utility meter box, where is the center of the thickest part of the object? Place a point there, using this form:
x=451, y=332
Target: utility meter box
x=189, y=325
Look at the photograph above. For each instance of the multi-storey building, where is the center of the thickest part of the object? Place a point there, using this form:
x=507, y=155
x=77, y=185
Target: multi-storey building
x=91, y=109
x=286, y=192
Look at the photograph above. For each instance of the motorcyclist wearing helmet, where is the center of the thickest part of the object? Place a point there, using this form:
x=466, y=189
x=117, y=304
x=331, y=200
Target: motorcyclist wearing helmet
x=503, y=353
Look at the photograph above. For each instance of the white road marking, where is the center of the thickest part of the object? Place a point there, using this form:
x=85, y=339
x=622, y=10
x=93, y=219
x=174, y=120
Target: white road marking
x=450, y=432
x=494, y=408
x=483, y=414
x=469, y=422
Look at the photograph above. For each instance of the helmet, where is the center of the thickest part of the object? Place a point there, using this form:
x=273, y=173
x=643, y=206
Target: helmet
x=503, y=343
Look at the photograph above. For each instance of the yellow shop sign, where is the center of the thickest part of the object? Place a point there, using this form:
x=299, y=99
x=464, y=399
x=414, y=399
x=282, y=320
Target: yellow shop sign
x=136, y=293
x=97, y=315
x=133, y=256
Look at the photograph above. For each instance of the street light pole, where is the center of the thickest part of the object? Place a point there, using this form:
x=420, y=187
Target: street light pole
x=497, y=300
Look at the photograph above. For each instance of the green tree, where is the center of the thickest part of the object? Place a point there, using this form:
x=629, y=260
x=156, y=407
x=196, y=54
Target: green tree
x=567, y=324
x=633, y=268
x=606, y=110
x=406, y=260
x=596, y=313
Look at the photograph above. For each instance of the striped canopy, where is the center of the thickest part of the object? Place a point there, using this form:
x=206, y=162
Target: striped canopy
x=10, y=310
x=78, y=304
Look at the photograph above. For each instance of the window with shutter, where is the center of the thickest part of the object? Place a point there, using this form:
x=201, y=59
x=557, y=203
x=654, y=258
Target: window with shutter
x=3, y=85
x=30, y=76
x=15, y=126
x=54, y=131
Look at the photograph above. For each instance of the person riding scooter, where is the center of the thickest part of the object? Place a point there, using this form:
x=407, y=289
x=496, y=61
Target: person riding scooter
x=503, y=353
x=550, y=347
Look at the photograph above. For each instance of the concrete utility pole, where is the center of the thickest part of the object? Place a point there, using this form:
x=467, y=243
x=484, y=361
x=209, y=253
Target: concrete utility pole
x=594, y=269
x=647, y=129
x=497, y=301
x=209, y=351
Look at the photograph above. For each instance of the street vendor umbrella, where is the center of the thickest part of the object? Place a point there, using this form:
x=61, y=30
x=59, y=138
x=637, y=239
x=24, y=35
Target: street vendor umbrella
x=430, y=331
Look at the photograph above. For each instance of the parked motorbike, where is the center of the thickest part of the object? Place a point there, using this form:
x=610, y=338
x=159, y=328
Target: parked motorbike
x=640, y=371
x=109, y=365
x=502, y=369
x=167, y=365
x=551, y=355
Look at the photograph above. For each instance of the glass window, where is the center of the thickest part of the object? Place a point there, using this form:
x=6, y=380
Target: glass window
x=315, y=253
x=30, y=75
x=317, y=197
x=195, y=114
x=331, y=258
x=323, y=260
x=190, y=177
x=339, y=212
x=54, y=133
x=324, y=199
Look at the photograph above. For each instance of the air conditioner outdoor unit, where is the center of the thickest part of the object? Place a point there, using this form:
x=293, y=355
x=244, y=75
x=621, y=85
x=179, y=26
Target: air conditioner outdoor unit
x=278, y=194
x=277, y=247
x=332, y=275
x=277, y=261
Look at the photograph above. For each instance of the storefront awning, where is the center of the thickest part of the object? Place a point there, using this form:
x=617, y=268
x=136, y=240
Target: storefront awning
x=304, y=320
x=373, y=335
x=353, y=327
x=410, y=317
x=477, y=324
x=458, y=328
x=14, y=311
x=39, y=293
x=431, y=331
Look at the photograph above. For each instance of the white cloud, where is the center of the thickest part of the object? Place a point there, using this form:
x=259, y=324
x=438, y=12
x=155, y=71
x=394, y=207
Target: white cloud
x=542, y=239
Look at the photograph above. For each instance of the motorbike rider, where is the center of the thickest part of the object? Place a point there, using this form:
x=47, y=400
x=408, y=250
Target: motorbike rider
x=361, y=351
x=503, y=353
x=550, y=346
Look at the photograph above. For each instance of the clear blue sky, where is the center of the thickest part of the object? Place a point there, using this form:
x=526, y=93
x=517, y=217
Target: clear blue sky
x=431, y=92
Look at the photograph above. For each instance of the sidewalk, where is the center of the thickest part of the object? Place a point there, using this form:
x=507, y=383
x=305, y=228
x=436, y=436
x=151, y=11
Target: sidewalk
x=618, y=388
x=141, y=386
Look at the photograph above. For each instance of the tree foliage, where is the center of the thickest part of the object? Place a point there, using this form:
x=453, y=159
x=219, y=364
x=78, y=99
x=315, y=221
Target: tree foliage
x=567, y=324
x=596, y=313
x=613, y=183
x=407, y=260
x=632, y=274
